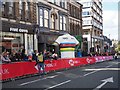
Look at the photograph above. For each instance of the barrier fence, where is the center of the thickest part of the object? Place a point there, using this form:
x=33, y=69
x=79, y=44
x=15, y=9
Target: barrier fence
x=17, y=69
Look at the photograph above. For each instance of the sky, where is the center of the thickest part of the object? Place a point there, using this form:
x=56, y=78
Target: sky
x=110, y=18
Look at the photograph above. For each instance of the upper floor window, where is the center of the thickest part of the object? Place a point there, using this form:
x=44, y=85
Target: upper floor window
x=27, y=9
x=62, y=3
x=87, y=4
x=10, y=7
x=41, y=17
x=46, y=18
x=85, y=13
x=3, y=6
x=20, y=8
x=62, y=22
x=53, y=1
x=53, y=21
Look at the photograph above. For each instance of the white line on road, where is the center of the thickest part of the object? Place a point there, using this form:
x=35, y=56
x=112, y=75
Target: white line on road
x=49, y=77
x=89, y=73
x=101, y=69
x=108, y=80
x=57, y=85
x=96, y=70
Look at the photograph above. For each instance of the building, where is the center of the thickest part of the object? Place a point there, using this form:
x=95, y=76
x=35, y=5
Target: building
x=18, y=26
x=118, y=21
x=75, y=20
x=92, y=25
x=52, y=18
x=55, y=18
x=107, y=44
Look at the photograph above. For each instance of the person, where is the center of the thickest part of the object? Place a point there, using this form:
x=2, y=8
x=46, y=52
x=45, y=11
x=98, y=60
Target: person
x=13, y=56
x=41, y=66
x=115, y=56
x=35, y=56
x=45, y=54
x=5, y=57
x=54, y=56
x=23, y=55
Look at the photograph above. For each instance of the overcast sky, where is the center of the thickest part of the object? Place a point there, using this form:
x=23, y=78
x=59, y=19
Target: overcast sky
x=110, y=18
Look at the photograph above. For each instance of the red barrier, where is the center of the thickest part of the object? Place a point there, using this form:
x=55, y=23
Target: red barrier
x=17, y=69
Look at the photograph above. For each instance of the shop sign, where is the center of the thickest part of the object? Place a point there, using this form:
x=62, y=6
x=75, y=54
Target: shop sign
x=18, y=30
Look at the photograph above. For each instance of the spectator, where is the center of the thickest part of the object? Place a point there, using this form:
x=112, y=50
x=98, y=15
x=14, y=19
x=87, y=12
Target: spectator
x=13, y=56
x=5, y=57
x=24, y=56
x=54, y=56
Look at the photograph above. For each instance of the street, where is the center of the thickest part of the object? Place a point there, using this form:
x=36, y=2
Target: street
x=91, y=77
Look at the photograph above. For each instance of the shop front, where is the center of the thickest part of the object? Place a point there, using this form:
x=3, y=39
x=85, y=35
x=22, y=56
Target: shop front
x=17, y=36
x=46, y=41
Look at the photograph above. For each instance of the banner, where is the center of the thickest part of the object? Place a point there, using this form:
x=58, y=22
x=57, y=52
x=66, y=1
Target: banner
x=17, y=69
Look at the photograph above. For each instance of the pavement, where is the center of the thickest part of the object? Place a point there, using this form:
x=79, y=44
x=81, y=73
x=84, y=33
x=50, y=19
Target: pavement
x=99, y=76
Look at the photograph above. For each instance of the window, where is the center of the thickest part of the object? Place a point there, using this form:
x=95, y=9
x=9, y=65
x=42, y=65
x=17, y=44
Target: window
x=62, y=22
x=87, y=22
x=62, y=3
x=85, y=13
x=46, y=16
x=10, y=7
x=53, y=21
x=20, y=8
x=53, y=1
x=3, y=6
x=27, y=9
x=87, y=4
x=41, y=17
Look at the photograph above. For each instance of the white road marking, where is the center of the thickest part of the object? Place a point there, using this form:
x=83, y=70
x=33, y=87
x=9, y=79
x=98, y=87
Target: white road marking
x=89, y=73
x=57, y=85
x=109, y=66
x=104, y=82
x=96, y=70
x=103, y=69
x=49, y=77
x=59, y=72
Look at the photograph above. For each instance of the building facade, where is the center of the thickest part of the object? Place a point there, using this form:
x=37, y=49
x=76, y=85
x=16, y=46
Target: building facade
x=18, y=26
x=92, y=25
x=75, y=20
x=118, y=21
x=55, y=18
x=52, y=18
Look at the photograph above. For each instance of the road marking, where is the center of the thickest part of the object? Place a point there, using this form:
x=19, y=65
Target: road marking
x=49, y=77
x=109, y=66
x=59, y=72
x=103, y=69
x=89, y=73
x=104, y=82
x=57, y=85
x=95, y=71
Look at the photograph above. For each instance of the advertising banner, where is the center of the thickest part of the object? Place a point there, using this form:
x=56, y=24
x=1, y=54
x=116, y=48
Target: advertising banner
x=13, y=70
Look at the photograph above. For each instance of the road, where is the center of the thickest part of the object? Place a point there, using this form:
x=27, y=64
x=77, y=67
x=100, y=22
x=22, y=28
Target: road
x=91, y=77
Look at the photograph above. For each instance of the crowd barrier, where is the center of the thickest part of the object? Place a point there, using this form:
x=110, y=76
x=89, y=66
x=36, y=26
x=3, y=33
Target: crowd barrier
x=17, y=69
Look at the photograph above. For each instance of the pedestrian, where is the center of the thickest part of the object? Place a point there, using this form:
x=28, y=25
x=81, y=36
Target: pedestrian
x=115, y=56
x=54, y=56
x=35, y=56
x=41, y=65
x=5, y=57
